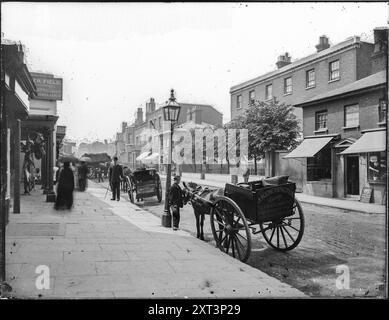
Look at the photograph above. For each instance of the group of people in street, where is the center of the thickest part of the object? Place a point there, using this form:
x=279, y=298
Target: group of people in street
x=64, y=180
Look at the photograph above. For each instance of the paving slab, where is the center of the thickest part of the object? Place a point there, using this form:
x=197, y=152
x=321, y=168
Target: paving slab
x=116, y=250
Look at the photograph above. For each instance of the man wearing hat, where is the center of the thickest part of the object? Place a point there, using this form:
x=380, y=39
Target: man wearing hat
x=176, y=201
x=115, y=176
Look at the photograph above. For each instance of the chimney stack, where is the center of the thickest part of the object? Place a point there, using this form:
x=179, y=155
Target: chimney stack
x=324, y=43
x=124, y=126
x=380, y=37
x=283, y=60
x=139, y=115
x=150, y=106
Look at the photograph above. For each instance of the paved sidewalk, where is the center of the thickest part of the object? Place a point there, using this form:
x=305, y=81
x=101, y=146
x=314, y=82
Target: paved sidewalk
x=109, y=249
x=218, y=180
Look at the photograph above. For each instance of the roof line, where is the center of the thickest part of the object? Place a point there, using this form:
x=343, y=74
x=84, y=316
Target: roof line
x=277, y=72
x=344, y=94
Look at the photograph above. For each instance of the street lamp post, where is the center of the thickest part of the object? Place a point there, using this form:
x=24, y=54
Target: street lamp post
x=171, y=112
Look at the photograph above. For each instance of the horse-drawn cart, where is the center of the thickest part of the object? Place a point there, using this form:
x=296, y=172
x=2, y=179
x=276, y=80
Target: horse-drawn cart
x=144, y=183
x=269, y=203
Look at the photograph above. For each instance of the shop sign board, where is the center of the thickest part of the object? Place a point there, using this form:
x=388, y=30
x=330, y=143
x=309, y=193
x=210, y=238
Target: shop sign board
x=47, y=87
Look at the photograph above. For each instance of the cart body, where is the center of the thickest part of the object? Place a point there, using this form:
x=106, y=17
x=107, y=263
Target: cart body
x=144, y=183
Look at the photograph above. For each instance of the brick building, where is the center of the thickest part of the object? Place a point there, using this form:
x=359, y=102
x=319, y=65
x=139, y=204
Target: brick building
x=344, y=131
x=132, y=138
x=331, y=67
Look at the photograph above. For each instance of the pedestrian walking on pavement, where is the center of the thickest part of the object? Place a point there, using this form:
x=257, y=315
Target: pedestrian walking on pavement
x=65, y=188
x=176, y=201
x=82, y=176
x=115, y=177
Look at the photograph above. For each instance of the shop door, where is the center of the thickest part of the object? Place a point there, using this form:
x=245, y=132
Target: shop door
x=352, y=175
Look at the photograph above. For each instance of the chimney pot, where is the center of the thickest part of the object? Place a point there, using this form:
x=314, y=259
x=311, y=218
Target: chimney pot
x=323, y=43
x=283, y=60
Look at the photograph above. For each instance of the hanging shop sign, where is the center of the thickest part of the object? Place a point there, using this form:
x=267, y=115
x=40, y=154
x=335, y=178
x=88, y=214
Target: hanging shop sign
x=47, y=87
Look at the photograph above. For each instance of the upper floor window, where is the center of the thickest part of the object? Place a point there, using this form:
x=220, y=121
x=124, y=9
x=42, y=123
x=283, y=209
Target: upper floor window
x=269, y=92
x=239, y=101
x=382, y=109
x=321, y=120
x=351, y=115
x=252, y=96
x=334, y=70
x=160, y=122
x=310, y=78
x=288, y=85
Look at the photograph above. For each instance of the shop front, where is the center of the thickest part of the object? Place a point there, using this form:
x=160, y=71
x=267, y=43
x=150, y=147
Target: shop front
x=318, y=155
x=365, y=160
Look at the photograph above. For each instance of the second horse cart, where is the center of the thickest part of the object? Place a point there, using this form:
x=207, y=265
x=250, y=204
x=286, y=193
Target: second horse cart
x=235, y=211
x=144, y=183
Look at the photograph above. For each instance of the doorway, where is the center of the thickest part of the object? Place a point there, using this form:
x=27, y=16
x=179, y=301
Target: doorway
x=352, y=175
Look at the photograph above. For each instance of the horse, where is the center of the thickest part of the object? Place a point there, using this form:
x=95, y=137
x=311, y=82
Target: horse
x=201, y=199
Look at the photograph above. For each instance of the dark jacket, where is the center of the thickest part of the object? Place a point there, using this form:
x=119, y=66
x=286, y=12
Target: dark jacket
x=176, y=195
x=83, y=171
x=66, y=179
x=115, y=173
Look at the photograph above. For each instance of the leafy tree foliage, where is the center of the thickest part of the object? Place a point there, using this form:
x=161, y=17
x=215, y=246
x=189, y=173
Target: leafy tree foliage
x=271, y=126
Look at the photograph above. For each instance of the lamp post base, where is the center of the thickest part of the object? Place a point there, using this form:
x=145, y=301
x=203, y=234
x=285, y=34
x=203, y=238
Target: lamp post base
x=166, y=219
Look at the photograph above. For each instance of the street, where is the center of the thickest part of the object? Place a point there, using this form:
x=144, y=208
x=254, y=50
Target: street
x=332, y=238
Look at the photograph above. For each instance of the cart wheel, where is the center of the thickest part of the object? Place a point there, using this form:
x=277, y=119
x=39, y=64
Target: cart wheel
x=285, y=234
x=230, y=229
x=159, y=191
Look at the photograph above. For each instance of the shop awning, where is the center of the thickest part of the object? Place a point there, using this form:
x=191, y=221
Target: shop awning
x=142, y=156
x=153, y=158
x=371, y=141
x=309, y=147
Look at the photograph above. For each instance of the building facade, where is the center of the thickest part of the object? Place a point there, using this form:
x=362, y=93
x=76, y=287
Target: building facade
x=132, y=138
x=344, y=146
x=340, y=93
x=331, y=67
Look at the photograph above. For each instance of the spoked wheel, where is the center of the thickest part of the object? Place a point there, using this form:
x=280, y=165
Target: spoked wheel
x=285, y=234
x=230, y=229
x=159, y=191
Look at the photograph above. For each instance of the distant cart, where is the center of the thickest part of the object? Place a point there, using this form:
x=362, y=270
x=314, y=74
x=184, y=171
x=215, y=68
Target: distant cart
x=144, y=183
x=270, y=204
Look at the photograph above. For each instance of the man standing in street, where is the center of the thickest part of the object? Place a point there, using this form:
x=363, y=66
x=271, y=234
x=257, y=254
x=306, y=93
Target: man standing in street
x=115, y=176
x=176, y=201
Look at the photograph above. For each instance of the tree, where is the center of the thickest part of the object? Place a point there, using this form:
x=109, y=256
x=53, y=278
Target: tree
x=271, y=126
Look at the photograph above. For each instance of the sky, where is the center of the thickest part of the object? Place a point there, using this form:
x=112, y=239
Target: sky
x=114, y=56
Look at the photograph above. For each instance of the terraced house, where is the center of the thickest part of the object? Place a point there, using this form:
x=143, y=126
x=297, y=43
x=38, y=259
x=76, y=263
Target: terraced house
x=132, y=138
x=340, y=93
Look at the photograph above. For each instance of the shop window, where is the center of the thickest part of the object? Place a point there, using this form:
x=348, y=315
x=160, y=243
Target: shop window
x=351, y=115
x=377, y=167
x=321, y=120
x=319, y=166
x=382, y=107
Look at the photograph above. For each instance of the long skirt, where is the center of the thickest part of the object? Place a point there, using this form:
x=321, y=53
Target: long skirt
x=64, y=199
